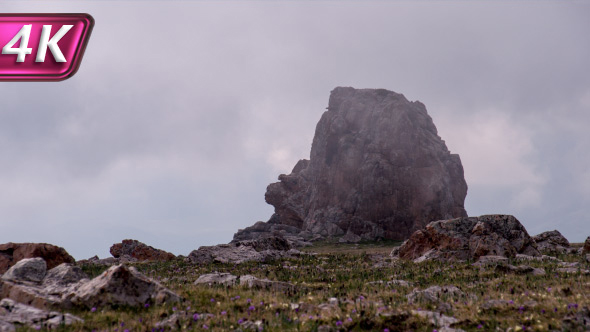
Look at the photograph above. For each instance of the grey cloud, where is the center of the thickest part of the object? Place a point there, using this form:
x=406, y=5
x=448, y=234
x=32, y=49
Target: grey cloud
x=182, y=112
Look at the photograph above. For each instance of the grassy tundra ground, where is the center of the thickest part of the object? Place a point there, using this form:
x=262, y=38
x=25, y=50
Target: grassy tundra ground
x=345, y=272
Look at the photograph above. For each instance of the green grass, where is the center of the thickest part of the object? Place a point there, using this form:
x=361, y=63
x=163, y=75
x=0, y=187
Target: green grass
x=343, y=271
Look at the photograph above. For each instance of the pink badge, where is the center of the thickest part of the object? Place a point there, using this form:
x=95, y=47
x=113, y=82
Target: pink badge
x=42, y=47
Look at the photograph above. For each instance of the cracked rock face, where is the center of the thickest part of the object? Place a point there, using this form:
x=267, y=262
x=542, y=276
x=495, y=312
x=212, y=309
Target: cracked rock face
x=377, y=169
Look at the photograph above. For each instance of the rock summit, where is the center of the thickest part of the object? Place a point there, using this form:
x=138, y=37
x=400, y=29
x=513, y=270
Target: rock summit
x=377, y=170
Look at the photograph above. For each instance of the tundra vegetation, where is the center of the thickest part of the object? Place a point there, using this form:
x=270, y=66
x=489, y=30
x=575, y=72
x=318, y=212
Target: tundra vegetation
x=354, y=287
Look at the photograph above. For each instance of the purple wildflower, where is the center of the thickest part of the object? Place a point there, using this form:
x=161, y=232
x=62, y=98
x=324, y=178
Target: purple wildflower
x=224, y=313
x=339, y=323
x=212, y=300
x=205, y=327
x=349, y=319
x=251, y=308
x=93, y=309
x=147, y=305
x=195, y=317
x=240, y=321
x=480, y=326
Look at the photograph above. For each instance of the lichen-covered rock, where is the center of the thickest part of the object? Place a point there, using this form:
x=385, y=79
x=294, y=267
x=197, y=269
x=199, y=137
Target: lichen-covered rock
x=10, y=253
x=27, y=270
x=139, y=251
x=469, y=239
x=121, y=286
x=377, y=169
x=552, y=242
x=216, y=278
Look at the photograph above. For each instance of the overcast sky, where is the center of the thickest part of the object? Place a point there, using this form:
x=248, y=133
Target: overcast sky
x=183, y=112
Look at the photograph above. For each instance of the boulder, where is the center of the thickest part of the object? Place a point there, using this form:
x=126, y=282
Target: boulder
x=377, y=169
x=121, y=286
x=552, y=242
x=436, y=294
x=253, y=282
x=10, y=253
x=66, y=286
x=27, y=270
x=139, y=251
x=263, y=249
x=586, y=248
x=469, y=239
x=14, y=314
x=436, y=318
x=216, y=278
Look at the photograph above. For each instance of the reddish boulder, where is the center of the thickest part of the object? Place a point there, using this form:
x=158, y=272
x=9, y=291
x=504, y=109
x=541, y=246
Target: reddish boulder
x=469, y=239
x=10, y=253
x=140, y=251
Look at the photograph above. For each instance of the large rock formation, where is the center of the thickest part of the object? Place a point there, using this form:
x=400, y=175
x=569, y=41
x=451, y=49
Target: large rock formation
x=10, y=253
x=468, y=239
x=377, y=169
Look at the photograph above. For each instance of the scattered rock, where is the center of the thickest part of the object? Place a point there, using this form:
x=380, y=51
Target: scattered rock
x=378, y=169
x=552, y=242
x=521, y=269
x=521, y=257
x=469, y=239
x=438, y=295
x=10, y=253
x=496, y=305
x=436, y=318
x=140, y=251
x=217, y=278
x=490, y=260
x=121, y=285
x=27, y=270
x=253, y=282
x=13, y=313
x=263, y=249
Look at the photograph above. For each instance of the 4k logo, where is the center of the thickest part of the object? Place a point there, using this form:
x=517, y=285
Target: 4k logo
x=28, y=39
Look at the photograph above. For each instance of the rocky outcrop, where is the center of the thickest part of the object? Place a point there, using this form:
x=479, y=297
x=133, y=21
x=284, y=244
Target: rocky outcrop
x=13, y=314
x=264, y=249
x=139, y=251
x=469, y=239
x=66, y=286
x=586, y=248
x=552, y=242
x=11, y=253
x=377, y=169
